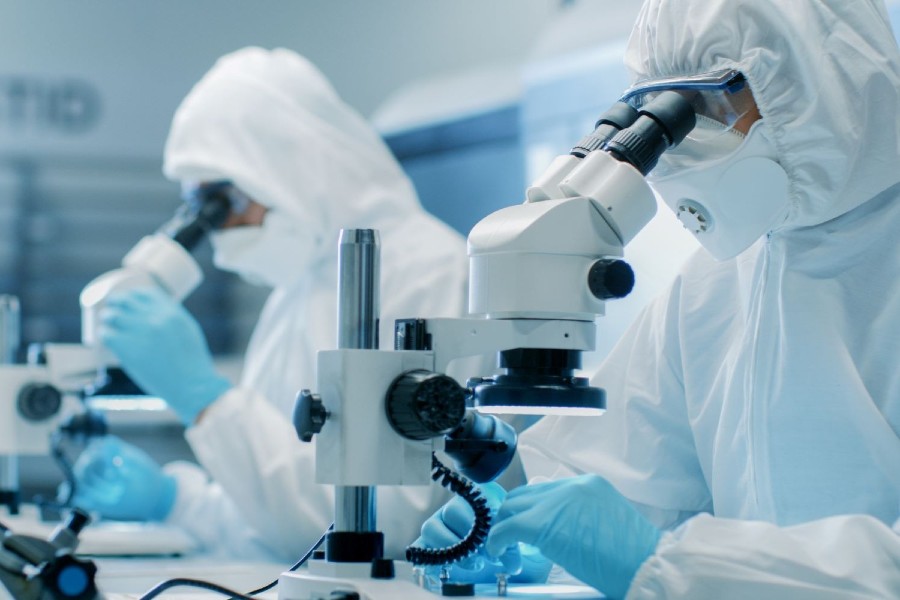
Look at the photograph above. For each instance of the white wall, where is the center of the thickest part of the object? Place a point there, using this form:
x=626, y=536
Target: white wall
x=142, y=57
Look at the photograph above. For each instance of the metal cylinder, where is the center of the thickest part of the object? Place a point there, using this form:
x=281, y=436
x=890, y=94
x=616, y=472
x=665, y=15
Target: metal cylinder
x=10, y=328
x=359, y=274
x=10, y=338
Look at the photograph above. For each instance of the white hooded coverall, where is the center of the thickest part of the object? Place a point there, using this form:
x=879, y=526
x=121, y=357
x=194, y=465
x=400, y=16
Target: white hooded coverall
x=754, y=408
x=271, y=123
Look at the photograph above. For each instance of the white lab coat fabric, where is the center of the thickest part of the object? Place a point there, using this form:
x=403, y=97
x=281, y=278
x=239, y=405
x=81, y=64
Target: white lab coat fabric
x=762, y=393
x=272, y=124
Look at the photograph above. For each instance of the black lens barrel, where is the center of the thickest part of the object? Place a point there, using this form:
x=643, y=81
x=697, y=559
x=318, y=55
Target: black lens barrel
x=661, y=124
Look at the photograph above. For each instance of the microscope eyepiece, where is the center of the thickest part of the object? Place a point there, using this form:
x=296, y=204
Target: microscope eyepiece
x=192, y=224
x=661, y=124
x=619, y=116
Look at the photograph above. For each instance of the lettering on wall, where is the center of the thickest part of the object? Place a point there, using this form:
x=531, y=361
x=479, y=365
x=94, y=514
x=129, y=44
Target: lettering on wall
x=68, y=106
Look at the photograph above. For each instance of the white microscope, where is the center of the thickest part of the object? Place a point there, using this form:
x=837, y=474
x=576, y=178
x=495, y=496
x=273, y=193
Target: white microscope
x=540, y=274
x=34, y=398
x=162, y=260
x=37, y=398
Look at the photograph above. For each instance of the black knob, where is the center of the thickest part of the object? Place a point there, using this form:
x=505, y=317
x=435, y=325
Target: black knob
x=610, y=278
x=421, y=405
x=78, y=519
x=70, y=578
x=309, y=415
x=38, y=401
x=382, y=568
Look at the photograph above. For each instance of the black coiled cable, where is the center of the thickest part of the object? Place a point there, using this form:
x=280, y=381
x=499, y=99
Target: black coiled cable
x=468, y=491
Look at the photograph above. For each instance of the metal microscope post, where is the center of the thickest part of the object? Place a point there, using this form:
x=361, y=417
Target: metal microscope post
x=10, y=324
x=359, y=272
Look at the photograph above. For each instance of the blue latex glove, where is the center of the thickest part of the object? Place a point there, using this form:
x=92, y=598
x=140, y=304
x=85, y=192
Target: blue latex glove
x=122, y=482
x=582, y=524
x=161, y=346
x=452, y=523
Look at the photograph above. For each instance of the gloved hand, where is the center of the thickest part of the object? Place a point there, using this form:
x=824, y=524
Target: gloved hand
x=161, y=346
x=582, y=524
x=122, y=482
x=452, y=523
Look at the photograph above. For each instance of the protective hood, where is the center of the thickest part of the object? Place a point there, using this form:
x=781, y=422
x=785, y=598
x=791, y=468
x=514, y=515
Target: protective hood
x=832, y=108
x=271, y=123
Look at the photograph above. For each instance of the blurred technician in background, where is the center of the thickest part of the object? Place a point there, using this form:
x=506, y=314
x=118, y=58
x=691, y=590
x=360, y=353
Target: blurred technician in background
x=268, y=129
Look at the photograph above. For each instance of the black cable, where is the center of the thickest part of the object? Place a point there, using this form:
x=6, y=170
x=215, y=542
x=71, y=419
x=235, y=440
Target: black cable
x=159, y=588
x=468, y=491
x=296, y=566
x=62, y=461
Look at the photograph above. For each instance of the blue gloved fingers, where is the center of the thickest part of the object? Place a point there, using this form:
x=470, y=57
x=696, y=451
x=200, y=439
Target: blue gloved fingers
x=121, y=481
x=510, y=562
x=137, y=297
x=163, y=349
x=526, y=526
x=535, y=566
x=436, y=534
x=458, y=517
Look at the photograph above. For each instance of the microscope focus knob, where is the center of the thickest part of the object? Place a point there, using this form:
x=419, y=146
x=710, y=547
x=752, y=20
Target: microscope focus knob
x=421, y=405
x=610, y=278
x=38, y=401
x=309, y=415
x=70, y=578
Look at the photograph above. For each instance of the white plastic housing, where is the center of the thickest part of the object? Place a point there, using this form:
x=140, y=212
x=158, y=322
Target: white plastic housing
x=532, y=260
x=357, y=445
x=156, y=261
x=18, y=435
x=546, y=187
x=618, y=187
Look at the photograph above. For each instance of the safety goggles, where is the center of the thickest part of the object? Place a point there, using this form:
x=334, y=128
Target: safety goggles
x=195, y=195
x=722, y=96
x=720, y=100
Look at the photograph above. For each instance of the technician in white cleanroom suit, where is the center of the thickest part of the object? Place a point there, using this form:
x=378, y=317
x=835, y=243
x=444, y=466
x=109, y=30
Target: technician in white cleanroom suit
x=750, y=448
x=270, y=123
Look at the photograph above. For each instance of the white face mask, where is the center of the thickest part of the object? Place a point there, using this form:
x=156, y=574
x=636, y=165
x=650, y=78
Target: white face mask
x=730, y=202
x=271, y=254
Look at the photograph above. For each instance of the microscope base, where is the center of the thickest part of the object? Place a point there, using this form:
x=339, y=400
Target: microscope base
x=323, y=578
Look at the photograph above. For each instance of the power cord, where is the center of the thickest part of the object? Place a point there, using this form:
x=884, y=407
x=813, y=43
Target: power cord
x=233, y=595
x=297, y=564
x=469, y=492
x=159, y=588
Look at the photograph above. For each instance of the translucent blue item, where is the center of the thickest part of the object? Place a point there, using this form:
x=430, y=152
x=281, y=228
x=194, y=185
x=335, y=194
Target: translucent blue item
x=121, y=482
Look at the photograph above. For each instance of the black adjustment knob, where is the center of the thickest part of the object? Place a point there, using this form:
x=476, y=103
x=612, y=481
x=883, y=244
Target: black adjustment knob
x=610, y=278
x=38, y=401
x=309, y=415
x=70, y=578
x=382, y=568
x=421, y=405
